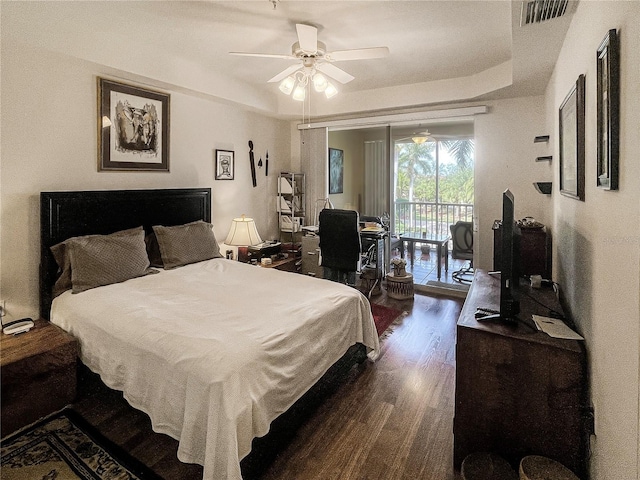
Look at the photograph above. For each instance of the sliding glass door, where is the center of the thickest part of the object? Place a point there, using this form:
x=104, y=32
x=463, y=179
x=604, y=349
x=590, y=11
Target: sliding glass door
x=433, y=183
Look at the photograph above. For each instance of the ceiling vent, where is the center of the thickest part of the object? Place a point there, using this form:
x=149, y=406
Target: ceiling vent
x=536, y=11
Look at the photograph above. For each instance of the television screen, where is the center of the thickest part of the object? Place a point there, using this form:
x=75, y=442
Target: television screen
x=509, y=268
x=509, y=276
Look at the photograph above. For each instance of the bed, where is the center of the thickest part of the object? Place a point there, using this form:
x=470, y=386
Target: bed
x=213, y=351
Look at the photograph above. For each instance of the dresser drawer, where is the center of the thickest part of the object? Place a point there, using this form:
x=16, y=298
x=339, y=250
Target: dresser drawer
x=311, y=257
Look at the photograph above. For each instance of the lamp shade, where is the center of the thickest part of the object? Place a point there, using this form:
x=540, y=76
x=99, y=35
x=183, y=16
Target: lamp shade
x=330, y=90
x=243, y=232
x=286, y=86
x=300, y=92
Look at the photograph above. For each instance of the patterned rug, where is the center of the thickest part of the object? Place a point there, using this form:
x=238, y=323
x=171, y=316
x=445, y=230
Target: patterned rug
x=383, y=317
x=65, y=446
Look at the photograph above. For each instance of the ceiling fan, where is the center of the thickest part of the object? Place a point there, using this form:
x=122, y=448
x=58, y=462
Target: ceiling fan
x=423, y=136
x=417, y=137
x=313, y=60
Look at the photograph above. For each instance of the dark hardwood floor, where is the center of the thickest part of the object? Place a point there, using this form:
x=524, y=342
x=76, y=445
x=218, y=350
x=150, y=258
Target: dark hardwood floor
x=391, y=419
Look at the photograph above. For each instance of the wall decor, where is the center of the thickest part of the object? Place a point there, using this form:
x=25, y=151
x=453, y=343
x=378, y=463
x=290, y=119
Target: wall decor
x=252, y=163
x=336, y=170
x=133, y=128
x=225, y=164
x=572, y=141
x=608, y=111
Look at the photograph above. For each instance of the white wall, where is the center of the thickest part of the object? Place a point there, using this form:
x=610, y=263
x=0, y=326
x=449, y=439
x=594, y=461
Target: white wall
x=505, y=158
x=49, y=142
x=597, y=242
x=351, y=142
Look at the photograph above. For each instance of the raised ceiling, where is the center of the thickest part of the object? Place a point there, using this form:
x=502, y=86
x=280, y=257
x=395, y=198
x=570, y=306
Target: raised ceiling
x=440, y=51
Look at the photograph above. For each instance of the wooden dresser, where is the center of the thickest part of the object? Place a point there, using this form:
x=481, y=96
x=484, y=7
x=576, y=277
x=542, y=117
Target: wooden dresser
x=518, y=392
x=38, y=374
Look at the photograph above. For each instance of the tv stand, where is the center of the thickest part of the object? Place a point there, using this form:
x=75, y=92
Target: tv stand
x=518, y=392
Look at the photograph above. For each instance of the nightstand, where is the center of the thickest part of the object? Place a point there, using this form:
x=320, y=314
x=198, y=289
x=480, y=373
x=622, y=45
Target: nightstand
x=38, y=374
x=284, y=264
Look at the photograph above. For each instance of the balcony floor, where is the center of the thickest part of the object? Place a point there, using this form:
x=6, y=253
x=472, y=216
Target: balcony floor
x=425, y=272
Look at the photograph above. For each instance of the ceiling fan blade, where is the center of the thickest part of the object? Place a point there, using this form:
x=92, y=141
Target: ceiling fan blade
x=265, y=55
x=334, y=72
x=285, y=73
x=357, y=54
x=307, y=37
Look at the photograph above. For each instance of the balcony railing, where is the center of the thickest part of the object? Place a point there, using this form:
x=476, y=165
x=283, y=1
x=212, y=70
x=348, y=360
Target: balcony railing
x=430, y=217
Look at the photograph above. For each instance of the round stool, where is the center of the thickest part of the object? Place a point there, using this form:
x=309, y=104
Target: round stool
x=400, y=288
x=535, y=467
x=487, y=466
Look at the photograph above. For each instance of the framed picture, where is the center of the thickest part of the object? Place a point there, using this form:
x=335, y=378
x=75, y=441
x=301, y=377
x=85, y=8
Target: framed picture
x=572, y=142
x=336, y=170
x=608, y=110
x=225, y=164
x=133, y=128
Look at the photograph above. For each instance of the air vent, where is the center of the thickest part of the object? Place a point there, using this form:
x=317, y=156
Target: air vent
x=536, y=11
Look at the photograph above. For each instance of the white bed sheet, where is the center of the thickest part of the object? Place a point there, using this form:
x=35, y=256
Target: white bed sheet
x=214, y=351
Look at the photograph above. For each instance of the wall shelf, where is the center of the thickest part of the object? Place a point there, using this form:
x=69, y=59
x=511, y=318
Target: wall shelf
x=543, y=187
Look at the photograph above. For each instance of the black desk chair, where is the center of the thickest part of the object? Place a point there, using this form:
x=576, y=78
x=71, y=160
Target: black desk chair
x=462, y=236
x=339, y=244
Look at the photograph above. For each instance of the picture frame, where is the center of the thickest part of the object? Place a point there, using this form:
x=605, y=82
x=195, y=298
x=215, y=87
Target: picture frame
x=225, y=164
x=608, y=111
x=572, y=131
x=133, y=128
x=336, y=170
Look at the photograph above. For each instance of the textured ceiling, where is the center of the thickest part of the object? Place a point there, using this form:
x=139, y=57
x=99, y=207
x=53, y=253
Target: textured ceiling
x=451, y=50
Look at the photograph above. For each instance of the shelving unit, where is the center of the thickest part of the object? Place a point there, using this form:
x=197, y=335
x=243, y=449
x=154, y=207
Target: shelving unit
x=290, y=205
x=543, y=187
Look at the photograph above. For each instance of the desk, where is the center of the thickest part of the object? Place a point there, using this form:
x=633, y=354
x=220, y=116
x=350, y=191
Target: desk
x=376, y=265
x=438, y=240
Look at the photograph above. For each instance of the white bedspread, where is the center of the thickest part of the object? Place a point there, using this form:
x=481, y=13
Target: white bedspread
x=214, y=351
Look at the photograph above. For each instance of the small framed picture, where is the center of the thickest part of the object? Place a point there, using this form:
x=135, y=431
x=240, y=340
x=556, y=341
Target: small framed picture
x=572, y=132
x=224, y=164
x=608, y=110
x=133, y=128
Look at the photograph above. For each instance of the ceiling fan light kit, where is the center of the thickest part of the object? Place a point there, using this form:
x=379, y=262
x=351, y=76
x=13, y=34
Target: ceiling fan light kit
x=296, y=84
x=315, y=64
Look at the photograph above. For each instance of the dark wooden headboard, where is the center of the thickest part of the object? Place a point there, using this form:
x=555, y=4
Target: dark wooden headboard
x=70, y=214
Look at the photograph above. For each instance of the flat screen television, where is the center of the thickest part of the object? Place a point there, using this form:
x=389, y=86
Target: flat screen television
x=509, y=266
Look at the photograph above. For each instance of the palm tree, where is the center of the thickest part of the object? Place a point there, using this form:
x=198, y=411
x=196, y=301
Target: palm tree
x=461, y=150
x=415, y=159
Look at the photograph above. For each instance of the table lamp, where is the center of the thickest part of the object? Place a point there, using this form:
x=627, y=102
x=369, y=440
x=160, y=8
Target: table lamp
x=243, y=233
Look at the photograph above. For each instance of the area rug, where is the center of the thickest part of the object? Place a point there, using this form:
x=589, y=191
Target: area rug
x=65, y=446
x=383, y=317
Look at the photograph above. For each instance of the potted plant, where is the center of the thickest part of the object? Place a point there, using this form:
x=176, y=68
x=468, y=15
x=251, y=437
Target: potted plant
x=399, y=267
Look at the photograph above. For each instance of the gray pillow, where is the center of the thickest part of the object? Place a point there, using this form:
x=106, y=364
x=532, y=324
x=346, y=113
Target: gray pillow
x=105, y=259
x=184, y=244
x=62, y=257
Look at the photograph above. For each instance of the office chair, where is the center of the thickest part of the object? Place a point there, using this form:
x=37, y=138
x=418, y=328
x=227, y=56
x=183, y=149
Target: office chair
x=462, y=236
x=339, y=244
